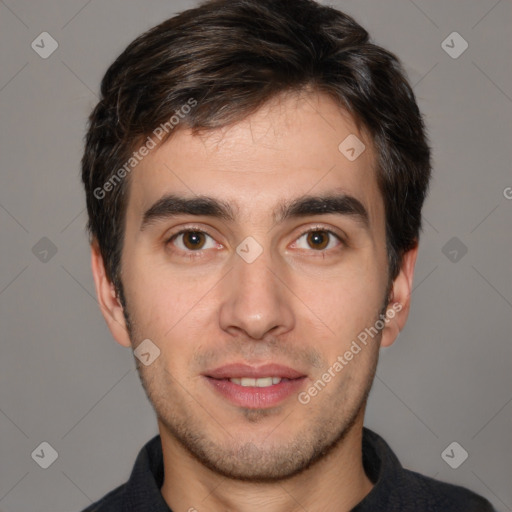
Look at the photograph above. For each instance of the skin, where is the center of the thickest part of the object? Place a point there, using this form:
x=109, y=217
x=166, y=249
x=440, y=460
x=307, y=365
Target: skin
x=296, y=305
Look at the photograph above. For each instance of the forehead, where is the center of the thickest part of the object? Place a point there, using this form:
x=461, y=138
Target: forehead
x=294, y=145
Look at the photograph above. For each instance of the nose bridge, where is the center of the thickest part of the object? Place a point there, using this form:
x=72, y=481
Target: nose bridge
x=253, y=276
x=255, y=300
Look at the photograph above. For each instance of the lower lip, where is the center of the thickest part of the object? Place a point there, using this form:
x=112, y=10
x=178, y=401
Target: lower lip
x=256, y=398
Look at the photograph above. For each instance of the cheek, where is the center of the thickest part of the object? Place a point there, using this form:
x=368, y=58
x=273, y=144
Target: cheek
x=344, y=303
x=169, y=310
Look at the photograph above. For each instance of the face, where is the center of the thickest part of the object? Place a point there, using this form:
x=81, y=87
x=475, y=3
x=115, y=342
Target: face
x=255, y=294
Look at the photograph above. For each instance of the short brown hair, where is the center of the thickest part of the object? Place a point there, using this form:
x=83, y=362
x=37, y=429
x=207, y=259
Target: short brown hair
x=232, y=56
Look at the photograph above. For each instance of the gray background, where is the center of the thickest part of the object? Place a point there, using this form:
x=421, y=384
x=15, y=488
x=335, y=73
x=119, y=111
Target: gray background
x=64, y=380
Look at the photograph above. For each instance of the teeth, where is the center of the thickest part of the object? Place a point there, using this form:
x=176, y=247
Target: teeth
x=264, y=382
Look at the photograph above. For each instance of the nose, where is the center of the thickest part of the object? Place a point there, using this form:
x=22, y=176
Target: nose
x=256, y=300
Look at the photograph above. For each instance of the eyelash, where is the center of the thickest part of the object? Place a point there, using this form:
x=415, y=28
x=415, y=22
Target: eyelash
x=199, y=253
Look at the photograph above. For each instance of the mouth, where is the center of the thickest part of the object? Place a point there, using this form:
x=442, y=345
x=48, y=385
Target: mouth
x=255, y=387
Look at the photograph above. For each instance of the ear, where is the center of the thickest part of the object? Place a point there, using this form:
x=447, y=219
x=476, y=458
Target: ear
x=399, y=305
x=110, y=305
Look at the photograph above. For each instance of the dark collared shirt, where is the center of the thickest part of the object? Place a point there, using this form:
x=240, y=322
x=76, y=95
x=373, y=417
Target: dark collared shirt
x=395, y=489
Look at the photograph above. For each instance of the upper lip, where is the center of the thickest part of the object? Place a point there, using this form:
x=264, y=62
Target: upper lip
x=241, y=370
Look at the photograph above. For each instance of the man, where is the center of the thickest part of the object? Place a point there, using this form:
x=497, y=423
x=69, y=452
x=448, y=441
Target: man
x=255, y=172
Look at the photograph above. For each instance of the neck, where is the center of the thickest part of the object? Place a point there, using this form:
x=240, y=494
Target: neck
x=336, y=482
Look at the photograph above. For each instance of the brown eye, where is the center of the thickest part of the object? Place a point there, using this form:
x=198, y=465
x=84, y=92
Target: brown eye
x=318, y=239
x=193, y=239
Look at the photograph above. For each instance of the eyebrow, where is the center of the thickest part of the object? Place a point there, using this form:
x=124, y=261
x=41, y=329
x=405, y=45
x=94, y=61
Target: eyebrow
x=173, y=205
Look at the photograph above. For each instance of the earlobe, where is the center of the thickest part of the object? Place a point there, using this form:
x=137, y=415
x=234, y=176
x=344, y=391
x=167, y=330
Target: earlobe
x=110, y=305
x=398, y=308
